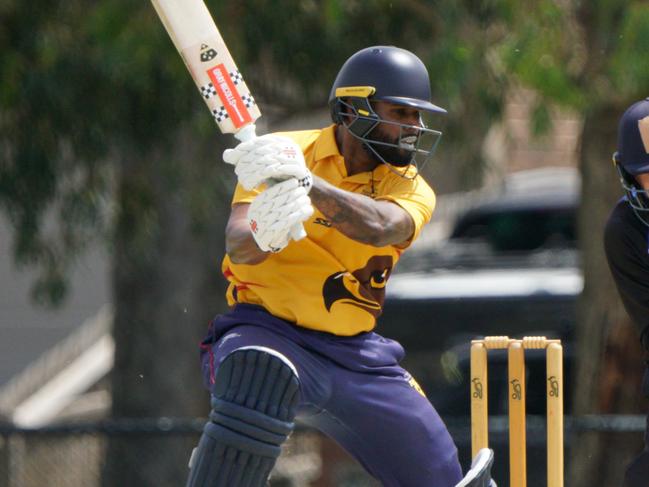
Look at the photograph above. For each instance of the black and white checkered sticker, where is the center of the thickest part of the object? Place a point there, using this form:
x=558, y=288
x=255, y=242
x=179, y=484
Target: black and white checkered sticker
x=236, y=77
x=306, y=181
x=248, y=100
x=220, y=114
x=208, y=91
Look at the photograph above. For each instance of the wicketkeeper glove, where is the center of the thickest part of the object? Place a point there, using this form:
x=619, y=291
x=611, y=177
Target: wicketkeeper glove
x=277, y=213
x=268, y=159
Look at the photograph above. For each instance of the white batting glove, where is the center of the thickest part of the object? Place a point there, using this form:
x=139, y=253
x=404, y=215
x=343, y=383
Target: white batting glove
x=277, y=213
x=268, y=159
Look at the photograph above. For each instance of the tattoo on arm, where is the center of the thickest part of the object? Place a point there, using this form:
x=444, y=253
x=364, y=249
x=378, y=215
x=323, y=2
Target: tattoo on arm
x=359, y=217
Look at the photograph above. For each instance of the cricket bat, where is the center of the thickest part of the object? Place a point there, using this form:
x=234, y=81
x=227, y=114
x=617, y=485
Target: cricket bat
x=199, y=42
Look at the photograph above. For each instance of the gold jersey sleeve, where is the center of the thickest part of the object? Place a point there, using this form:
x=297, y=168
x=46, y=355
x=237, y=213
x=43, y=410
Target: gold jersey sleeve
x=413, y=195
x=327, y=281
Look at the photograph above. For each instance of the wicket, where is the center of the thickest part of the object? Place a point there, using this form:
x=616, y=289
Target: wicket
x=516, y=392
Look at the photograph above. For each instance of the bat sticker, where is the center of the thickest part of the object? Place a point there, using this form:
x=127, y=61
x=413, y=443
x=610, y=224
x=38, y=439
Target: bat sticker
x=207, y=53
x=229, y=95
x=220, y=84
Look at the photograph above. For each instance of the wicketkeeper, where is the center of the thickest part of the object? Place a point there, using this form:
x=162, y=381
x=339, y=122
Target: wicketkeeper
x=299, y=339
x=626, y=241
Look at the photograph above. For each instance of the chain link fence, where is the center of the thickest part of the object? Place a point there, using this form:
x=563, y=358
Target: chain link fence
x=151, y=453
x=154, y=453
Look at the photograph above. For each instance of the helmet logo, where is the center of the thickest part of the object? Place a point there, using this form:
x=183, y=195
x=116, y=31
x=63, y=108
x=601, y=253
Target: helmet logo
x=362, y=91
x=643, y=126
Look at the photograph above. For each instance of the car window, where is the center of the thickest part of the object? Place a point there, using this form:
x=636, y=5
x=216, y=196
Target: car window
x=519, y=230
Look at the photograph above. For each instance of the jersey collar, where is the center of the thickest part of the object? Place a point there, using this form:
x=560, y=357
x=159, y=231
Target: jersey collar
x=326, y=147
x=326, y=144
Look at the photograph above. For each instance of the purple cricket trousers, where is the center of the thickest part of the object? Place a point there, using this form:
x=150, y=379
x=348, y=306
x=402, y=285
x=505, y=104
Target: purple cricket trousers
x=353, y=390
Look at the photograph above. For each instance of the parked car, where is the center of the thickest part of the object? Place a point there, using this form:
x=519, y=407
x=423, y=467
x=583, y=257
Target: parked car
x=509, y=265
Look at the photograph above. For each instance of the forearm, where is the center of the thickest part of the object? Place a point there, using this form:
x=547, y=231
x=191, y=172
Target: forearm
x=361, y=218
x=239, y=242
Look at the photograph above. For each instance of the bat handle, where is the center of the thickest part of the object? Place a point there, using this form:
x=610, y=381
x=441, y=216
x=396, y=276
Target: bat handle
x=298, y=232
x=246, y=133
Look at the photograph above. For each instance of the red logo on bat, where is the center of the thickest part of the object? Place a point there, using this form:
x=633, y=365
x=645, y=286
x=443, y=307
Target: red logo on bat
x=229, y=96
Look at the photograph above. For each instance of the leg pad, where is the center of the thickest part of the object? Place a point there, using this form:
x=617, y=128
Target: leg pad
x=255, y=395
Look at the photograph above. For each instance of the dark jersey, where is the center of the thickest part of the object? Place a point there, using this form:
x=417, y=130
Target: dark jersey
x=626, y=241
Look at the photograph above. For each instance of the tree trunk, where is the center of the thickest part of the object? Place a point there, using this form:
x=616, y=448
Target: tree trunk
x=167, y=286
x=608, y=356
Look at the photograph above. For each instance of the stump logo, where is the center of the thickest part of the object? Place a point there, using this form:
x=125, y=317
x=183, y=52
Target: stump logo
x=363, y=288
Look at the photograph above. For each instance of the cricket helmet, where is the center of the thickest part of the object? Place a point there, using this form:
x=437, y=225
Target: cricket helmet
x=632, y=156
x=388, y=74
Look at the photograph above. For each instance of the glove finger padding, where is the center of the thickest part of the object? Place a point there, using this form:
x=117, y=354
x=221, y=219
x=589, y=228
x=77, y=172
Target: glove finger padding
x=273, y=214
x=268, y=158
x=296, y=230
x=232, y=156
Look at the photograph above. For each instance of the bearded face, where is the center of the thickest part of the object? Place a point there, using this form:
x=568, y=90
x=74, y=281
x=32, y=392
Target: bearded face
x=397, y=150
x=391, y=133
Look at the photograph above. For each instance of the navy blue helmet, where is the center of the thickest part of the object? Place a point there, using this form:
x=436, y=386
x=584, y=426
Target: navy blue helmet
x=388, y=74
x=632, y=156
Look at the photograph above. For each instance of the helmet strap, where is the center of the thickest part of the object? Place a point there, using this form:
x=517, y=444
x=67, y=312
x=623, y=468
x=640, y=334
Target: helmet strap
x=637, y=197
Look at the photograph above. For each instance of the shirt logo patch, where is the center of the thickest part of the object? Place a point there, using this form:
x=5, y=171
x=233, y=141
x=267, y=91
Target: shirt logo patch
x=323, y=222
x=414, y=384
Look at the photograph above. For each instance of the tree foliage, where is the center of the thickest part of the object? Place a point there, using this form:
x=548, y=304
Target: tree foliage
x=79, y=84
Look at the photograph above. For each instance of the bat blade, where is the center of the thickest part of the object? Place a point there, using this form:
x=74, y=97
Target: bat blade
x=199, y=42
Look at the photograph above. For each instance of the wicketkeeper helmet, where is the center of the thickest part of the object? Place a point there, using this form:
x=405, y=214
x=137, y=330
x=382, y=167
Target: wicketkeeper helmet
x=632, y=156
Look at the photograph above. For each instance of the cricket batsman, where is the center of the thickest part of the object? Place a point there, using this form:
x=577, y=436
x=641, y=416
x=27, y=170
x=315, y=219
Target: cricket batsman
x=299, y=340
x=626, y=241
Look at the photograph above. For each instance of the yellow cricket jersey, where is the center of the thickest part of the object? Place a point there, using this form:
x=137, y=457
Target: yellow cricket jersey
x=327, y=281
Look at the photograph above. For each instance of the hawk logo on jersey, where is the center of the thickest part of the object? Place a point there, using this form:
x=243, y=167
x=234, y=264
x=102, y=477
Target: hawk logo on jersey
x=363, y=288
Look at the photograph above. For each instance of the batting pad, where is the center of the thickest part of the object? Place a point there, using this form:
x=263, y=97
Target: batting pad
x=254, y=399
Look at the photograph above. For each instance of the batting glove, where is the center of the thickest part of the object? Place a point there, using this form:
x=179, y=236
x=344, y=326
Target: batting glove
x=276, y=215
x=268, y=159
